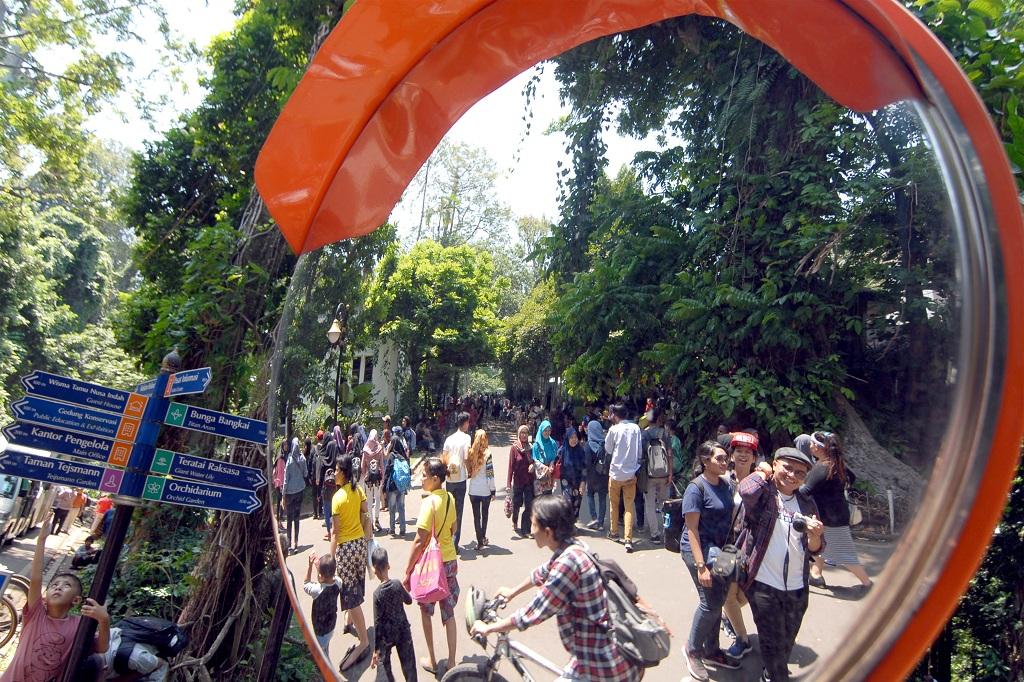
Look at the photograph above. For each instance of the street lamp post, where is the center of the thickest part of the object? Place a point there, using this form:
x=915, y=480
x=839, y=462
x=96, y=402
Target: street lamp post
x=334, y=335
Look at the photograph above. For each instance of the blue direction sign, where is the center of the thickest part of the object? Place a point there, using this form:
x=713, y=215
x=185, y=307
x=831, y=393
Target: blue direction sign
x=189, y=381
x=74, y=418
x=60, y=471
x=180, y=465
x=146, y=387
x=69, y=443
x=218, y=423
x=203, y=495
x=68, y=390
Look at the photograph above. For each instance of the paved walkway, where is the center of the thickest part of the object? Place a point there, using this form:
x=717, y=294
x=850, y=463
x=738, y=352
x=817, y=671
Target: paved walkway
x=660, y=575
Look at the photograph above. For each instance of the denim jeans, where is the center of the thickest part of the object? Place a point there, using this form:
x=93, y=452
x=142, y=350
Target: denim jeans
x=707, y=618
x=325, y=643
x=481, y=508
x=396, y=505
x=597, y=503
x=777, y=615
x=458, y=491
x=328, y=497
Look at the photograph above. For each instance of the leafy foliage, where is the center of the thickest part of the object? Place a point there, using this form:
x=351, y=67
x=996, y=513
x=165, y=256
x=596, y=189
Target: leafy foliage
x=438, y=304
x=750, y=267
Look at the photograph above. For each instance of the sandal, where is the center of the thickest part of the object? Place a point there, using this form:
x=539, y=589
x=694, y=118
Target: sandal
x=426, y=667
x=355, y=661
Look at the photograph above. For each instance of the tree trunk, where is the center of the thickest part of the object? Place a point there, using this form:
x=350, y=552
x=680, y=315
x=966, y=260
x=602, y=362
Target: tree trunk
x=873, y=463
x=227, y=608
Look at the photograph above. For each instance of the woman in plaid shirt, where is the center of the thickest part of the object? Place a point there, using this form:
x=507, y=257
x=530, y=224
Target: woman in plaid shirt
x=570, y=588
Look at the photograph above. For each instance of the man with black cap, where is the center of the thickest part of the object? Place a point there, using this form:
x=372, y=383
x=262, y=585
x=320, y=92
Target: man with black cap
x=781, y=535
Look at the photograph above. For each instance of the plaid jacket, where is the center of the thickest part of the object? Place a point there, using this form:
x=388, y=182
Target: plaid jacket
x=571, y=589
x=760, y=511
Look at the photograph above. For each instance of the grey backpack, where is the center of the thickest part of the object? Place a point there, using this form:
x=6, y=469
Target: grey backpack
x=639, y=634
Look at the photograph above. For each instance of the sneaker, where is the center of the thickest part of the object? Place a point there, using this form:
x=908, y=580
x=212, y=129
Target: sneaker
x=656, y=539
x=614, y=537
x=719, y=659
x=739, y=649
x=695, y=667
x=593, y=525
x=629, y=547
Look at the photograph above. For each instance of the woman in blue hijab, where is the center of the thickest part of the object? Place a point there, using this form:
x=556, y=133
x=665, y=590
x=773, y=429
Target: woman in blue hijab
x=545, y=451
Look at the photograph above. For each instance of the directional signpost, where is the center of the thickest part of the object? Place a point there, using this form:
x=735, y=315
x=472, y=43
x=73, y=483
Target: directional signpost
x=73, y=418
x=203, y=495
x=188, y=382
x=216, y=423
x=68, y=390
x=60, y=471
x=180, y=465
x=68, y=443
x=180, y=383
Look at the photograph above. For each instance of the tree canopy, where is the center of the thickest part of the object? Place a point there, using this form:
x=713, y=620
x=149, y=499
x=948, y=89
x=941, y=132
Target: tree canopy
x=438, y=304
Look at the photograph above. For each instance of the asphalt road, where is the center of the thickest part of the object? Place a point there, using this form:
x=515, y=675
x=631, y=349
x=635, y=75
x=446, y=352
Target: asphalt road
x=660, y=575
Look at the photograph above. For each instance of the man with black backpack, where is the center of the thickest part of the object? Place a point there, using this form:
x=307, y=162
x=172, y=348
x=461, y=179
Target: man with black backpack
x=657, y=467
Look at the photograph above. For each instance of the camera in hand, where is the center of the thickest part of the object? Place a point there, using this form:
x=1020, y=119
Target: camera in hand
x=799, y=522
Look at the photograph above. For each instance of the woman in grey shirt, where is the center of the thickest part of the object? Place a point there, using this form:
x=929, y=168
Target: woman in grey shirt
x=295, y=472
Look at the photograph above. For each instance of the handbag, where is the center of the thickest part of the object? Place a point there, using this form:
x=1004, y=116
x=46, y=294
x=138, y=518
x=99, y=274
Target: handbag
x=856, y=517
x=725, y=562
x=428, y=581
x=508, y=504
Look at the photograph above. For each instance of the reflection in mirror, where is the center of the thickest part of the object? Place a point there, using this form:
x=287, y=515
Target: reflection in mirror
x=768, y=264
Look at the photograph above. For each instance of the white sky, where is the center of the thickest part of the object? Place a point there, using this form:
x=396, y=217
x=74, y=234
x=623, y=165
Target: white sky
x=528, y=185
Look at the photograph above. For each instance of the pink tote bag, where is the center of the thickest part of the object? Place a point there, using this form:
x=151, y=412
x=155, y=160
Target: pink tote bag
x=428, y=581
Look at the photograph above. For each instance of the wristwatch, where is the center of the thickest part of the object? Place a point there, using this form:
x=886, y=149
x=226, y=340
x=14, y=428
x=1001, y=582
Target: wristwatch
x=700, y=565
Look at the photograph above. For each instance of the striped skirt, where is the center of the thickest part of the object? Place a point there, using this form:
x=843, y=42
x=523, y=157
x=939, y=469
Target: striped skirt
x=839, y=549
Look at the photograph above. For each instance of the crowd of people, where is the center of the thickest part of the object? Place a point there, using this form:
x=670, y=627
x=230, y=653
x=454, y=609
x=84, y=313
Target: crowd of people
x=787, y=515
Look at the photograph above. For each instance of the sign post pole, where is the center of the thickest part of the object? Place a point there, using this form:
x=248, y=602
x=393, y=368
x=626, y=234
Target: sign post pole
x=131, y=490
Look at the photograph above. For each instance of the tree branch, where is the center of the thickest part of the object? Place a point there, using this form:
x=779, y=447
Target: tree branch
x=68, y=22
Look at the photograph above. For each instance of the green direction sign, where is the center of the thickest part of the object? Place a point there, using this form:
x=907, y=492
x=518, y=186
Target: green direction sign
x=154, y=489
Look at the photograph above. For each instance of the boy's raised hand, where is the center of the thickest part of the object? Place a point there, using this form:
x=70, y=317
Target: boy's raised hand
x=93, y=609
x=313, y=559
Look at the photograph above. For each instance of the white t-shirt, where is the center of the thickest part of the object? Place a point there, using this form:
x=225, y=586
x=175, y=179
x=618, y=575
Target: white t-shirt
x=784, y=541
x=480, y=485
x=457, y=447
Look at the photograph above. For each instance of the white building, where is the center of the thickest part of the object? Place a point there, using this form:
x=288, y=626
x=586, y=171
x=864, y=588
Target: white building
x=383, y=368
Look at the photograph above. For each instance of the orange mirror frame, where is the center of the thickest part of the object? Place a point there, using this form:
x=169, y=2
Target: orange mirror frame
x=395, y=75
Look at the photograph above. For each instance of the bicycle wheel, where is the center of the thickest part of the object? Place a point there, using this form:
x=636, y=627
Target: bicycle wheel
x=16, y=591
x=8, y=621
x=471, y=672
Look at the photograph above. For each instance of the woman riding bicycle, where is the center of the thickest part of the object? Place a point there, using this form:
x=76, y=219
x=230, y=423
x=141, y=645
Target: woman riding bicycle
x=571, y=589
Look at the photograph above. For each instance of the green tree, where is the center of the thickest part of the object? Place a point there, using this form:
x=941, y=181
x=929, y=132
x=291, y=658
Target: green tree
x=214, y=271
x=55, y=213
x=722, y=270
x=438, y=304
x=455, y=197
x=524, y=345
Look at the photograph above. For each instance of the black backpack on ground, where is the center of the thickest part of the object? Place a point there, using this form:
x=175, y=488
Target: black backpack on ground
x=167, y=638
x=674, y=524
